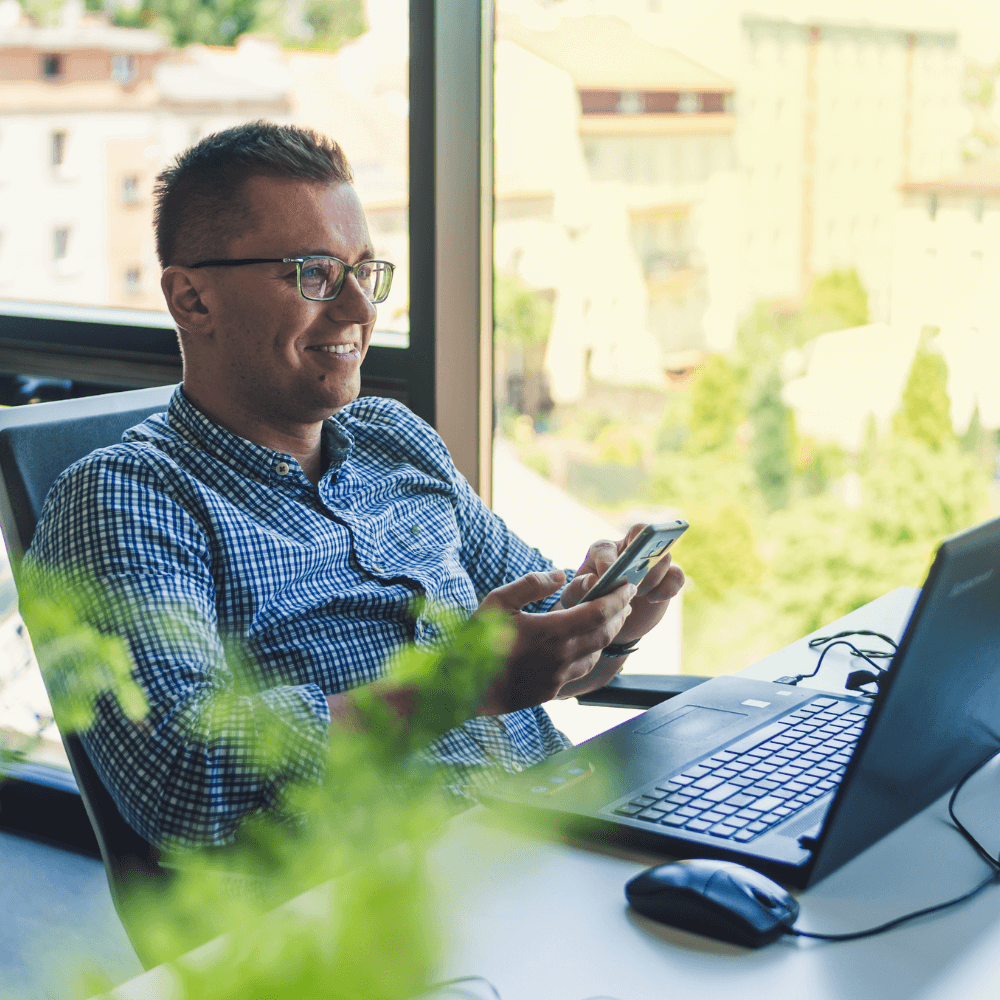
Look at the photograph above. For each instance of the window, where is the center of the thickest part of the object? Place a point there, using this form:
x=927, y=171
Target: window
x=124, y=68
x=130, y=189
x=52, y=67
x=688, y=103
x=640, y=364
x=60, y=243
x=57, y=149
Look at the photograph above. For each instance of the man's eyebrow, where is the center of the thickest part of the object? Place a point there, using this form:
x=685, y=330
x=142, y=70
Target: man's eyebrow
x=367, y=253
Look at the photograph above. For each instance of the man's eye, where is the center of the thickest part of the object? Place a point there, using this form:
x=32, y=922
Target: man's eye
x=313, y=272
x=364, y=272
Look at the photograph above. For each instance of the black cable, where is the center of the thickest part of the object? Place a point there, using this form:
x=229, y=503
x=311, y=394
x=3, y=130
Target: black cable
x=839, y=642
x=840, y=639
x=882, y=928
x=819, y=640
x=458, y=980
x=993, y=877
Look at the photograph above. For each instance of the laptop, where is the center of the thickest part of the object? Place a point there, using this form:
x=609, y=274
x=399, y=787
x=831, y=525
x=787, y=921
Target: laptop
x=791, y=781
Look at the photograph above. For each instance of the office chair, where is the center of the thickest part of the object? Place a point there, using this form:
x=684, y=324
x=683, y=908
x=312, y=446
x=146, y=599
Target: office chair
x=39, y=442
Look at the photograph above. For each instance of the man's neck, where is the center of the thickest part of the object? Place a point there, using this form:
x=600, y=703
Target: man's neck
x=304, y=442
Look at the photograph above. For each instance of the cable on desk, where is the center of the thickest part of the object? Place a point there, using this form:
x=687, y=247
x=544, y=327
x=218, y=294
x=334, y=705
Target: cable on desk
x=458, y=980
x=993, y=877
x=858, y=678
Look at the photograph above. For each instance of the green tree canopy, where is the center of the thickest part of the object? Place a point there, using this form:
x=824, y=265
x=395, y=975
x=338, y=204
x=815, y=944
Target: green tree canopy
x=837, y=300
x=925, y=412
x=327, y=24
x=772, y=449
x=717, y=407
x=522, y=316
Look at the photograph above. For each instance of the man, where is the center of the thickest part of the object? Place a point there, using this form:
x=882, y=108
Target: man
x=272, y=508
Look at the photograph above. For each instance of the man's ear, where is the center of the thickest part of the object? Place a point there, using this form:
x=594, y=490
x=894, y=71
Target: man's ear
x=184, y=291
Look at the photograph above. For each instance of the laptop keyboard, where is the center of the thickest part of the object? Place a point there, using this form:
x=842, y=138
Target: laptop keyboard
x=760, y=781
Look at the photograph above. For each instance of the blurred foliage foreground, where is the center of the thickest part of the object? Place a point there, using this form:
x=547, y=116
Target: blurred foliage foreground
x=369, y=823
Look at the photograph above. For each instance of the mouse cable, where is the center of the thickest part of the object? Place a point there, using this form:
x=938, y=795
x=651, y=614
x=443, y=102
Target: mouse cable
x=990, y=879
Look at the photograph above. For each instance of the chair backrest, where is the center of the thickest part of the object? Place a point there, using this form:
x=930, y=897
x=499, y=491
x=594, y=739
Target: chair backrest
x=37, y=443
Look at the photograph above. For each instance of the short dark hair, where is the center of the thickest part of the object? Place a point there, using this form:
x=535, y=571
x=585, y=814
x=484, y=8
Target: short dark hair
x=199, y=198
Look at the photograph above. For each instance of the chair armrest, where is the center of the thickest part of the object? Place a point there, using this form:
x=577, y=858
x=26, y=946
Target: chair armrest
x=640, y=690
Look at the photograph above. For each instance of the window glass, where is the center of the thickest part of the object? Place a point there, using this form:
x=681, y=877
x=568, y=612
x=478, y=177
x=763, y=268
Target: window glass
x=129, y=90
x=741, y=263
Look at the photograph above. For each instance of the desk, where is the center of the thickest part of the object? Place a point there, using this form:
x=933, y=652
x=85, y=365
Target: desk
x=548, y=921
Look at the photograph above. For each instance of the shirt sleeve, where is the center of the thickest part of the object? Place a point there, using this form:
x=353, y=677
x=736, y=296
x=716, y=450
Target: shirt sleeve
x=195, y=768
x=491, y=553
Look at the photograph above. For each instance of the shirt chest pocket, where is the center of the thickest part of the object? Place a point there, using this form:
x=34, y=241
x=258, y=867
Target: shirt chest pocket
x=422, y=540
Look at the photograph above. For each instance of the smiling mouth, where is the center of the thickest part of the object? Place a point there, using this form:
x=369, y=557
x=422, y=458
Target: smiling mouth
x=342, y=350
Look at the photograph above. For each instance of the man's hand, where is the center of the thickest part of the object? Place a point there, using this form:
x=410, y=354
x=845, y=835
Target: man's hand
x=554, y=648
x=649, y=605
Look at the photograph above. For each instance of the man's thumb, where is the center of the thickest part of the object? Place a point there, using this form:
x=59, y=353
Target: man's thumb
x=530, y=587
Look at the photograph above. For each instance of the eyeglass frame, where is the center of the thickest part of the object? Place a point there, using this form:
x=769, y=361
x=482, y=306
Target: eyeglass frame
x=299, y=261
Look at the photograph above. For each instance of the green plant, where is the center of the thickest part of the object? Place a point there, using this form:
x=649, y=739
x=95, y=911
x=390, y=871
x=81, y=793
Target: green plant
x=370, y=820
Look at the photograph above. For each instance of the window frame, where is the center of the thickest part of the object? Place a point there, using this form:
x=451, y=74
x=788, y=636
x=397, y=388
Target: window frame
x=445, y=371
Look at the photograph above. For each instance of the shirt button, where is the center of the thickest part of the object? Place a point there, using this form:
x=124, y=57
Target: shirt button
x=282, y=468
x=378, y=567
x=517, y=768
x=414, y=529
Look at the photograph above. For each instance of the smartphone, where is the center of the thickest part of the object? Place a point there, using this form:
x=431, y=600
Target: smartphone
x=646, y=549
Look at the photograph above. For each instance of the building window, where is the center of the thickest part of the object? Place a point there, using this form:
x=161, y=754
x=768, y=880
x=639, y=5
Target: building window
x=58, y=149
x=52, y=66
x=932, y=205
x=124, y=69
x=630, y=103
x=133, y=280
x=60, y=243
x=688, y=103
x=978, y=207
x=130, y=190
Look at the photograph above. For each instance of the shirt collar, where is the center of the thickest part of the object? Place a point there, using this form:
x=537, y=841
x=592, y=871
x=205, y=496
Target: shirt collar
x=244, y=456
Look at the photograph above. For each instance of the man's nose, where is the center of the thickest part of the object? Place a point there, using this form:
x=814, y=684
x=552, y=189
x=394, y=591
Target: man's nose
x=352, y=304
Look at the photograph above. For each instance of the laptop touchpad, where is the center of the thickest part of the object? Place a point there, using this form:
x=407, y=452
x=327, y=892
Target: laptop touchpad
x=694, y=724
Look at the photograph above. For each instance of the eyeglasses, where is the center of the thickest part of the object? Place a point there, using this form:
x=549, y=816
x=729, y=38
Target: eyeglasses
x=321, y=278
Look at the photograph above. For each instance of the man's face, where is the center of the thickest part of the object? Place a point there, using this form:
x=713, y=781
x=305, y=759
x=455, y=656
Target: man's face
x=288, y=360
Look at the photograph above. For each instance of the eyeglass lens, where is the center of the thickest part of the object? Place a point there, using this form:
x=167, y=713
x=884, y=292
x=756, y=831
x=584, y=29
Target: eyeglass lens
x=322, y=278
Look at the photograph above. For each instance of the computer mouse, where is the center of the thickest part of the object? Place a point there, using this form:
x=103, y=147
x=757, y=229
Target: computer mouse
x=719, y=899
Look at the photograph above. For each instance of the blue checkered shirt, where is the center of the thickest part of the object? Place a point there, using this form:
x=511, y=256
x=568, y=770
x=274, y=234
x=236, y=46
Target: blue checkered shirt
x=315, y=583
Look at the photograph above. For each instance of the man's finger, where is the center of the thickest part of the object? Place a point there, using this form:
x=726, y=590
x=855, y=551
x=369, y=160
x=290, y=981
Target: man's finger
x=668, y=587
x=593, y=642
x=600, y=556
x=531, y=587
x=655, y=575
x=576, y=588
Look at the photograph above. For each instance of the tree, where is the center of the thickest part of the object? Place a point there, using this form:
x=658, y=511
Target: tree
x=717, y=407
x=836, y=301
x=925, y=412
x=772, y=451
x=522, y=316
x=327, y=24
x=334, y=22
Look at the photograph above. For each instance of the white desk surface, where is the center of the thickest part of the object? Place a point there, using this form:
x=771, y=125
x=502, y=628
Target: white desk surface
x=548, y=921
